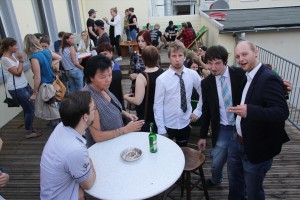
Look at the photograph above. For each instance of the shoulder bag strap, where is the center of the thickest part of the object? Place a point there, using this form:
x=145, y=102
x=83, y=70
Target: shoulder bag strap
x=3, y=80
x=147, y=94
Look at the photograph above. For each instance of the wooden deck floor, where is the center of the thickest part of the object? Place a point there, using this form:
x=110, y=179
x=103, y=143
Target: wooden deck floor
x=22, y=157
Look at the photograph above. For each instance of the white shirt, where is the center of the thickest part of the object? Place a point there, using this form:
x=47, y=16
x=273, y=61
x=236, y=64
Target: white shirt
x=82, y=45
x=117, y=23
x=20, y=82
x=223, y=116
x=167, y=100
x=250, y=75
x=64, y=164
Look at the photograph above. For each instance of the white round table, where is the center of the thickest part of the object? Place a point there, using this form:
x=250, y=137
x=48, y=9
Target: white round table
x=148, y=176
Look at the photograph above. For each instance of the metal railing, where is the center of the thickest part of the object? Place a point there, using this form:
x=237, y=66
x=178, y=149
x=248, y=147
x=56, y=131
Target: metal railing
x=288, y=71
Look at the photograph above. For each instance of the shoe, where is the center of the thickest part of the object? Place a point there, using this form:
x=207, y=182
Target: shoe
x=32, y=135
x=118, y=58
x=210, y=184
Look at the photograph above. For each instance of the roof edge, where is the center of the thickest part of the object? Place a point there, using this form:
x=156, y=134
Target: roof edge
x=212, y=21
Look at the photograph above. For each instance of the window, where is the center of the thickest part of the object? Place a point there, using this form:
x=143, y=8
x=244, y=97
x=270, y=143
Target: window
x=40, y=17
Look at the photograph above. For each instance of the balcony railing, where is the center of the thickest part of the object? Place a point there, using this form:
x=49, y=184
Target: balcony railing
x=288, y=71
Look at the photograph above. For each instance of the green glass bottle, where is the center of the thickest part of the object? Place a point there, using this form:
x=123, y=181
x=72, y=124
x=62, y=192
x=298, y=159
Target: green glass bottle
x=152, y=140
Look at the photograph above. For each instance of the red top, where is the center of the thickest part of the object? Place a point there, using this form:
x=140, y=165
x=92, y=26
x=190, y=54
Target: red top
x=187, y=36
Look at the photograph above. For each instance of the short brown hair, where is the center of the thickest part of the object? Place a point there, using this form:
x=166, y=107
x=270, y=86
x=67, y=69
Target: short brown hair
x=175, y=47
x=104, y=47
x=150, y=56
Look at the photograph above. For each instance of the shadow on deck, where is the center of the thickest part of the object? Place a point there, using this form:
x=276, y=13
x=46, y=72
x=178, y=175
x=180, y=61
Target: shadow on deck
x=21, y=157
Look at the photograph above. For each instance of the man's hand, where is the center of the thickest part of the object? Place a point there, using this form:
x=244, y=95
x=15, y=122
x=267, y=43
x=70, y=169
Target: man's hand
x=202, y=144
x=3, y=179
x=287, y=86
x=193, y=117
x=240, y=110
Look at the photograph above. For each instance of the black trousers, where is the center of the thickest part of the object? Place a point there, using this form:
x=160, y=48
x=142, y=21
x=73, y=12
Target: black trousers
x=115, y=41
x=181, y=135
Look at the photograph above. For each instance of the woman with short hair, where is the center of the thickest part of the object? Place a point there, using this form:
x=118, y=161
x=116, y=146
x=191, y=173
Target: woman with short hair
x=108, y=122
x=115, y=30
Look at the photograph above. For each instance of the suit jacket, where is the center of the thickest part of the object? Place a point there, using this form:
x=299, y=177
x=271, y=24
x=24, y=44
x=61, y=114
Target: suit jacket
x=263, y=128
x=210, y=107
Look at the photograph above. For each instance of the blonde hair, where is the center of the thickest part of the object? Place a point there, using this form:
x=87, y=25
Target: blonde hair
x=31, y=44
x=87, y=41
x=176, y=47
x=114, y=9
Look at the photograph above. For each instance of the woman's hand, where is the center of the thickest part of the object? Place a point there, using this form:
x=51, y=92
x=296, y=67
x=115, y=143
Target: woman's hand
x=20, y=56
x=134, y=126
x=130, y=116
x=126, y=96
x=32, y=97
x=133, y=76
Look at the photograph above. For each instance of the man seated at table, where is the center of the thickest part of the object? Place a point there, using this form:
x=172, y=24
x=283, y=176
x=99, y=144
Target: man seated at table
x=66, y=168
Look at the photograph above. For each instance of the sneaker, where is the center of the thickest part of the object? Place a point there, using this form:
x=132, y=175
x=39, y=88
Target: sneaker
x=118, y=58
x=32, y=135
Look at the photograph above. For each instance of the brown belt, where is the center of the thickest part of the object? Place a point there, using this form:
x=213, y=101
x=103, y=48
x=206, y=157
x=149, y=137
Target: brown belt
x=239, y=139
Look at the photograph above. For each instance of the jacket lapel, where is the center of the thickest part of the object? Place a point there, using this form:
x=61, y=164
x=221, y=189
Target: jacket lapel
x=253, y=83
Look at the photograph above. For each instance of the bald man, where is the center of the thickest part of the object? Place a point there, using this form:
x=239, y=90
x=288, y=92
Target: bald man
x=260, y=122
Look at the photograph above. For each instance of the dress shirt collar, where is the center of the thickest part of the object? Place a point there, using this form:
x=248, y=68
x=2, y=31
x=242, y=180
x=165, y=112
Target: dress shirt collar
x=226, y=74
x=250, y=75
x=174, y=72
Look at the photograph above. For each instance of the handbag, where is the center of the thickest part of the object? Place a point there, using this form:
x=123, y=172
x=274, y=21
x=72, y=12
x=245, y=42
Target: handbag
x=10, y=101
x=60, y=88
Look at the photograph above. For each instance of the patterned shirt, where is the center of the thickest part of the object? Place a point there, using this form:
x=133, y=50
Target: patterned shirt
x=187, y=36
x=110, y=112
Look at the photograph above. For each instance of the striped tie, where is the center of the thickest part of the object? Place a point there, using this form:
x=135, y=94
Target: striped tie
x=183, y=104
x=227, y=100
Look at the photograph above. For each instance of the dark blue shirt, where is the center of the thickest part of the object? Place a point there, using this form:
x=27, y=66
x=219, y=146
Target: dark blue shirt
x=57, y=44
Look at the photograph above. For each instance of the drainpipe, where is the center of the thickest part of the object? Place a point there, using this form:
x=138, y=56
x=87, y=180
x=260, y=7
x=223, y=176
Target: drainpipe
x=168, y=8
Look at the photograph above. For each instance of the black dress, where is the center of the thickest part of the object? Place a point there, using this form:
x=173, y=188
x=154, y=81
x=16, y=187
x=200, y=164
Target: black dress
x=140, y=110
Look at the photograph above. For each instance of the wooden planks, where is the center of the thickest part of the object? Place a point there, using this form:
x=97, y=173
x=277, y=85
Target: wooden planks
x=22, y=157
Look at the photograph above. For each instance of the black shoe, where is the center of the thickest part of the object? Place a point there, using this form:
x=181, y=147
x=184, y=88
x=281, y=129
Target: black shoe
x=210, y=184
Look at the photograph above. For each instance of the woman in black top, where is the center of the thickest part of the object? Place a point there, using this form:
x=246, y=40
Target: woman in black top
x=132, y=24
x=143, y=101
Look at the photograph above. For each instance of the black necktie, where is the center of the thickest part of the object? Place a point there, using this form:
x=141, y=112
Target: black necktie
x=182, y=93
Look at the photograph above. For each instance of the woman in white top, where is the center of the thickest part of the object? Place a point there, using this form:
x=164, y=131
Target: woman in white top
x=85, y=44
x=117, y=30
x=17, y=84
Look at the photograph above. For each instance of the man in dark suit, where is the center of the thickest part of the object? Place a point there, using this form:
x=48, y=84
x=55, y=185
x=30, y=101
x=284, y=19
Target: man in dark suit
x=260, y=124
x=214, y=110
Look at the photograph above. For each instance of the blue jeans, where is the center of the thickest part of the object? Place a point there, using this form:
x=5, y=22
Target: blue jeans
x=133, y=34
x=245, y=178
x=22, y=95
x=75, y=78
x=127, y=32
x=219, y=153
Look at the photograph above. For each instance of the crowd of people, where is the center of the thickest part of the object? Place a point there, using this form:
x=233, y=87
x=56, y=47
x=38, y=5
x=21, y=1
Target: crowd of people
x=244, y=106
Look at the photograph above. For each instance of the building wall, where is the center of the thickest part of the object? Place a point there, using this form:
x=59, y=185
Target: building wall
x=213, y=37
x=103, y=7
x=243, y=4
x=26, y=24
x=61, y=15
x=282, y=43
